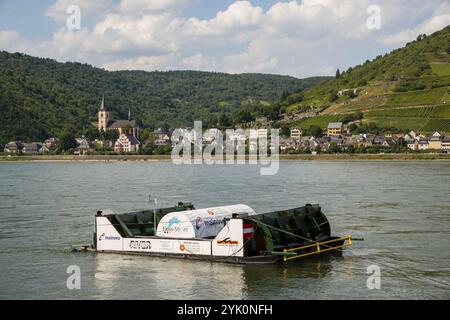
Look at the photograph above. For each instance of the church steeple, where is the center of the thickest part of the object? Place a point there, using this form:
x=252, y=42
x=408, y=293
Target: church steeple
x=103, y=116
x=102, y=106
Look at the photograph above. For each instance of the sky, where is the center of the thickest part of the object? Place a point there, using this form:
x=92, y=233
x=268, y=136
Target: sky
x=299, y=38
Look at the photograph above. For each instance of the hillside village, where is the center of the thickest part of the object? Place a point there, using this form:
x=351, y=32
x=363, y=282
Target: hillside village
x=127, y=137
x=397, y=102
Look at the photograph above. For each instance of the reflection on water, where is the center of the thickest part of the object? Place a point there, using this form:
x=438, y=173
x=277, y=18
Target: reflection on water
x=174, y=278
x=167, y=278
x=403, y=217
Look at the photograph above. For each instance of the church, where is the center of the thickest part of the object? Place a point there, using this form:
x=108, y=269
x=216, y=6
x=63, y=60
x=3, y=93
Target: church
x=106, y=123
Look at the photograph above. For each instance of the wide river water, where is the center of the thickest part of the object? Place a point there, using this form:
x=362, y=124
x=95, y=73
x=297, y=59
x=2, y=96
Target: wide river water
x=400, y=208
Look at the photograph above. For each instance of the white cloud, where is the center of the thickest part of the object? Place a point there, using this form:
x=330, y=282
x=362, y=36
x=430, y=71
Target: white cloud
x=139, y=7
x=58, y=10
x=236, y=24
x=256, y=59
x=300, y=38
x=150, y=34
x=10, y=40
x=147, y=63
x=439, y=20
x=200, y=62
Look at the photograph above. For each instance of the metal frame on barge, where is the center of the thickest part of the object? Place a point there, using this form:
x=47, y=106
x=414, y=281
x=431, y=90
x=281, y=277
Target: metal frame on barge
x=234, y=234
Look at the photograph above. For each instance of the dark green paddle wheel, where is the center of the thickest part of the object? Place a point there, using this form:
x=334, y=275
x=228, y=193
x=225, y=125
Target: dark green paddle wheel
x=285, y=229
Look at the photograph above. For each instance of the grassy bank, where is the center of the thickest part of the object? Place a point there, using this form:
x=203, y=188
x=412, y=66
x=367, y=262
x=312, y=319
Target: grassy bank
x=293, y=157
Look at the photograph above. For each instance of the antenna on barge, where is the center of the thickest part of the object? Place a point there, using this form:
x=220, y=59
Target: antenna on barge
x=155, y=202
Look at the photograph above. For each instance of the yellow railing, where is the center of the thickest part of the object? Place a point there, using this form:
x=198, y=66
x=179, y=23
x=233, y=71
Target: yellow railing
x=318, y=249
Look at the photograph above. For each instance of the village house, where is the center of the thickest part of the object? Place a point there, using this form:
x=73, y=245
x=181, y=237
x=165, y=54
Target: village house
x=410, y=137
x=50, y=144
x=296, y=133
x=422, y=144
x=161, y=134
x=32, y=148
x=185, y=135
x=388, y=142
x=305, y=142
x=335, y=129
x=378, y=140
x=105, y=123
x=368, y=140
x=210, y=135
x=161, y=137
x=14, y=147
x=344, y=91
x=352, y=141
x=100, y=143
x=413, y=145
x=435, y=141
x=288, y=144
x=261, y=133
x=446, y=144
x=126, y=143
x=161, y=142
x=261, y=120
x=83, y=146
x=44, y=149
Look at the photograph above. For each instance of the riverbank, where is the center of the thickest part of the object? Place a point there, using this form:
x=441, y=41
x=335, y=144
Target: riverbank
x=288, y=157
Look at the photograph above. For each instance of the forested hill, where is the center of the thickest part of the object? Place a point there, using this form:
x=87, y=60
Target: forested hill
x=42, y=97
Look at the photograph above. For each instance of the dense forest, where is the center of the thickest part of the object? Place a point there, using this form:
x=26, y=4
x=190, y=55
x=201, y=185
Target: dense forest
x=41, y=97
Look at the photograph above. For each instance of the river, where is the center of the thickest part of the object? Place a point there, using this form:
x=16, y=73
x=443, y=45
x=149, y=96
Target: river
x=400, y=208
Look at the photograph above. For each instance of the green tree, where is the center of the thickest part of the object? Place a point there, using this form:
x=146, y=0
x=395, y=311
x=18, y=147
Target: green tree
x=145, y=134
x=162, y=150
x=67, y=142
x=224, y=120
x=273, y=111
x=111, y=135
x=315, y=131
x=358, y=115
x=338, y=74
x=352, y=127
x=334, y=148
x=284, y=95
x=333, y=97
x=350, y=149
x=285, y=131
x=92, y=133
x=351, y=94
x=147, y=148
x=243, y=115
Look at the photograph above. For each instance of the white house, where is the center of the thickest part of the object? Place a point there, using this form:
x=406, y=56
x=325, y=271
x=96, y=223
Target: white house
x=435, y=141
x=423, y=144
x=296, y=133
x=411, y=136
x=127, y=143
x=261, y=133
x=446, y=143
x=413, y=145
